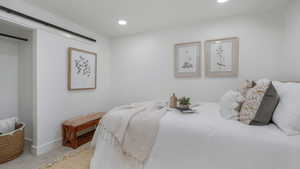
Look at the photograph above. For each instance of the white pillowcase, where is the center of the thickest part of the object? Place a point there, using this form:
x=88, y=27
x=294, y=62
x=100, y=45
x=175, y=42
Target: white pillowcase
x=287, y=113
x=8, y=125
x=230, y=105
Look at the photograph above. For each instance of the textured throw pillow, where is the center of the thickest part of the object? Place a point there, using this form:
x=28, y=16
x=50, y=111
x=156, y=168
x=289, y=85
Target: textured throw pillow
x=230, y=105
x=287, y=113
x=7, y=125
x=261, y=101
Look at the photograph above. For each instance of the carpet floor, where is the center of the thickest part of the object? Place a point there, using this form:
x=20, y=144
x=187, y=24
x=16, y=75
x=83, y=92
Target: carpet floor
x=79, y=159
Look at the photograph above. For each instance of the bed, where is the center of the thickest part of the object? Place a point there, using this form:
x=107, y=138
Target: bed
x=204, y=140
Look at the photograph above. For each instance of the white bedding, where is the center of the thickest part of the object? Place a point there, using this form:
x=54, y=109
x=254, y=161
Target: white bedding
x=206, y=141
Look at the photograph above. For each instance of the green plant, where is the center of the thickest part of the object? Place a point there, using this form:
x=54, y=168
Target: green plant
x=185, y=101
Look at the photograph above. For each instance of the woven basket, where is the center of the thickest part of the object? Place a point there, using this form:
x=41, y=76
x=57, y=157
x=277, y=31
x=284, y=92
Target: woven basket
x=12, y=144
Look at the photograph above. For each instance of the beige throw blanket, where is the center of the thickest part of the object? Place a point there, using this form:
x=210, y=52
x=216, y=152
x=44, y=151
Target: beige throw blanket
x=133, y=128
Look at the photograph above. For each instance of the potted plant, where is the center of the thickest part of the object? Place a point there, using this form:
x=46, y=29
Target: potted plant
x=184, y=103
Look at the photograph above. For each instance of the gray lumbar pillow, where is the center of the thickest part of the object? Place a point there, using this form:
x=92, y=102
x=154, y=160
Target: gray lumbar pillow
x=261, y=102
x=267, y=107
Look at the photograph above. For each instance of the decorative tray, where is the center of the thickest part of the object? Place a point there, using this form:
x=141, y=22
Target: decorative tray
x=183, y=110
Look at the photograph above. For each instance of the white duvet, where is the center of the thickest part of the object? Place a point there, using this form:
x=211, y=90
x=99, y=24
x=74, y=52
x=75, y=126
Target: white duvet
x=206, y=141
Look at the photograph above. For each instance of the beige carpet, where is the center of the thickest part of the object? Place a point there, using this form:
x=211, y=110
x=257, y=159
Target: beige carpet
x=79, y=159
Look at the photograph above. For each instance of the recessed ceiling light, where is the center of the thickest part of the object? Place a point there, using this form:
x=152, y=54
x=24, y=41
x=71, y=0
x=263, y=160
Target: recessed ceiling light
x=122, y=22
x=222, y=1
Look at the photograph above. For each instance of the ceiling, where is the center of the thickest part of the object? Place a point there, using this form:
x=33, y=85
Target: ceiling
x=147, y=15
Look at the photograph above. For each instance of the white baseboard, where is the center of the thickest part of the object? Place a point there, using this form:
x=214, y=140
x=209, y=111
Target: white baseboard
x=39, y=150
x=28, y=141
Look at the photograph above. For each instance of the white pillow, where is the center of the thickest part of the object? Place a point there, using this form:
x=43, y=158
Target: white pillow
x=230, y=105
x=8, y=125
x=287, y=113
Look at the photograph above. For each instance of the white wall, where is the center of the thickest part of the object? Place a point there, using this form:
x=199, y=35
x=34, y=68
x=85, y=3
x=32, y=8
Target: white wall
x=9, y=78
x=290, y=61
x=25, y=76
x=143, y=64
x=53, y=103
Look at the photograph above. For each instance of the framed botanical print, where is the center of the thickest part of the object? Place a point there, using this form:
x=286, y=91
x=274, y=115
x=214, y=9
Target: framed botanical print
x=82, y=73
x=188, y=60
x=222, y=57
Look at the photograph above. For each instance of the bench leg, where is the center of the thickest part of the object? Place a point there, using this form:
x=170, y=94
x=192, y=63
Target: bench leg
x=74, y=142
x=69, y=137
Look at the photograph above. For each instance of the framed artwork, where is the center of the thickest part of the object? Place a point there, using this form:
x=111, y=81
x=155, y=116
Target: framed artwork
x=82, y=73
x=188, y=60
x=222, y=57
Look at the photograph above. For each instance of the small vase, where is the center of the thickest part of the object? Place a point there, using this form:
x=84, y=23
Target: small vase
x=173, y=101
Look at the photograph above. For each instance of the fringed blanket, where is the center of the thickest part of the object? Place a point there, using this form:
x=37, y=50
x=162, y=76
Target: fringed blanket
x=132, y=128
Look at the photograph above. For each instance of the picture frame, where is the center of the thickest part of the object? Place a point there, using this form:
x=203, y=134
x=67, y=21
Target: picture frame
x=222, y=57
x=82, y=69
x=188, y=60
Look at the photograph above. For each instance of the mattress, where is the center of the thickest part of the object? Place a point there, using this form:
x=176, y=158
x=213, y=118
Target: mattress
x=204, y=140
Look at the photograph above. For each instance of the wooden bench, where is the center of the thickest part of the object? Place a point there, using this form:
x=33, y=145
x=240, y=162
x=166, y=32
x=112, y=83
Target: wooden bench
x=80, y=130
